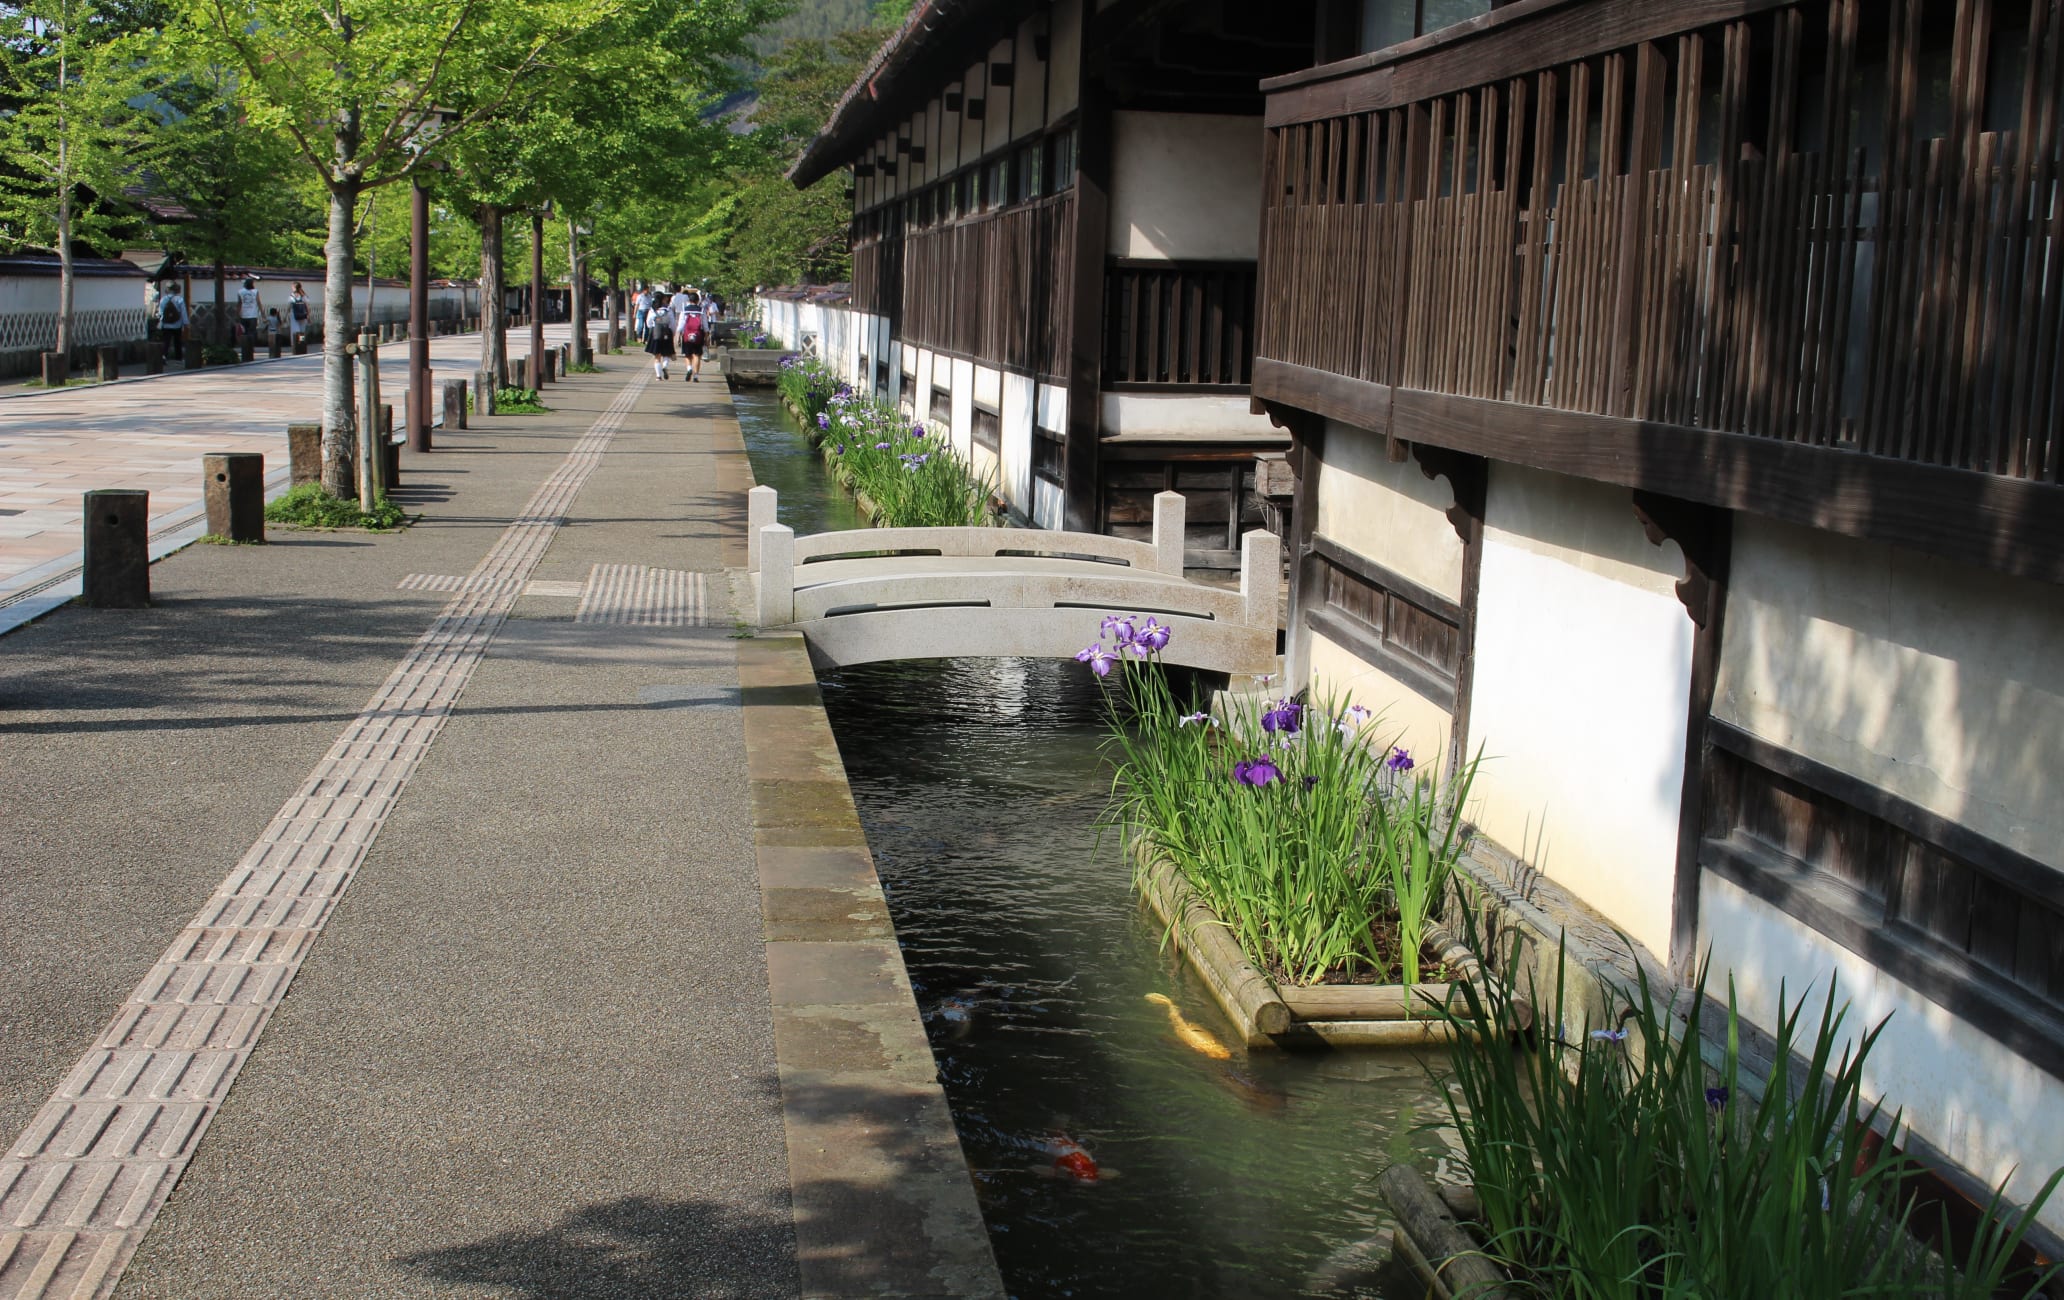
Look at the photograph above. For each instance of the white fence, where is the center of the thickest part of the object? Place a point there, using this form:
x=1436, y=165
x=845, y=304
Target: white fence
x=36, y=331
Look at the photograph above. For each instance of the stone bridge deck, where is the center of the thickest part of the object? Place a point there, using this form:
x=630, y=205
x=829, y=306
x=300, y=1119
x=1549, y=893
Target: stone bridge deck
x=921, y=593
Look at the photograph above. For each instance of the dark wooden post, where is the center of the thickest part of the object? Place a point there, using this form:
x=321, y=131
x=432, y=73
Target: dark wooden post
x=153, y=358
x=106, y=365
x=537, y=376
x=56, y=369
x=304, y=454
x=233, y=485
x=418, y=412
x=1080, y=455
x=117, y=562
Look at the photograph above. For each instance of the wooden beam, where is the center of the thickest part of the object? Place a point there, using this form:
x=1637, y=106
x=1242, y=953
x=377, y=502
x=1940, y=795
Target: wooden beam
x=2010, y=526
x=1080, y=504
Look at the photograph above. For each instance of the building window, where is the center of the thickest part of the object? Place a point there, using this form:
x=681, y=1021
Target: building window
x=1385, y=23
x=1047, y=456
x=996, y=187
x=1029, y=175
x=967, y=200
x=988, y=428
x=1060, y=175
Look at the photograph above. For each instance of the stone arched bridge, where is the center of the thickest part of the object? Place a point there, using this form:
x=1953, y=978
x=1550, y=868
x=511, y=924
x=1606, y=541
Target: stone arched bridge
x=926, y=593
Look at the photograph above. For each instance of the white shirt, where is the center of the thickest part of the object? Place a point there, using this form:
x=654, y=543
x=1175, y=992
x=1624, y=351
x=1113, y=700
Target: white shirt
x=680, y=304
x=247, y=304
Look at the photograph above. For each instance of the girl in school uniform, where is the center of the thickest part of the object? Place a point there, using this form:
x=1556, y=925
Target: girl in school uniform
x=659, y=340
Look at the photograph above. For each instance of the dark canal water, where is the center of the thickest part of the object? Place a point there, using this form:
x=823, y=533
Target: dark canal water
x=979, y=782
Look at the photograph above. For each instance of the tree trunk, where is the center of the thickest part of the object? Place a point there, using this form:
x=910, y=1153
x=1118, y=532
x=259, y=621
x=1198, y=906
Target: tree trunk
x=340, y=431
x=218, y=333
x=577, y=296
x=494, y=295
x=615, y=293
x=65, y=282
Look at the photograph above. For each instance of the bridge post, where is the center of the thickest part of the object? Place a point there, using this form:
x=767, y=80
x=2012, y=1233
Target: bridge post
x=777, y=575
x=1261, y=577
x=1168, y=533
x=761, y=509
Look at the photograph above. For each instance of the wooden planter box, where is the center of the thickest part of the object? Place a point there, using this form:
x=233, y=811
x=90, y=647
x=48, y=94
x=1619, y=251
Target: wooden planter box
x=1430, y=1239
x=1272, y=1015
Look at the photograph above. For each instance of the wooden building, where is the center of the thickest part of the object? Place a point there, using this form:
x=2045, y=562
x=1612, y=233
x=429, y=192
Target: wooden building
x=1679, y=421
x=1056, y=225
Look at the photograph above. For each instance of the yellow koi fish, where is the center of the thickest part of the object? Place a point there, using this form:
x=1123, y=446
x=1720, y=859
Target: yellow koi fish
x=1195, y=1037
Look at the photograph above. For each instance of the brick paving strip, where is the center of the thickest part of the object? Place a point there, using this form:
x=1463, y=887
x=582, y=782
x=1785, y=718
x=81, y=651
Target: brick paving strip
x=81, y=1186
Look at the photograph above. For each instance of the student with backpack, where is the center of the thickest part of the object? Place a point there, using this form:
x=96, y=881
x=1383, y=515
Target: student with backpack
x=172, y=321
x=659, y=339
x=297, y=312
x=692, y=338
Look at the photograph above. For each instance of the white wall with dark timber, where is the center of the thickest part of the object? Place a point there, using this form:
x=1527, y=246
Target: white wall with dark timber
x=1185, y=186
x=1064, y=84
x=1185, y=415
x=1339, y=677
x=1019, y=409
x=1939, y=683
x=1050, y=415
x=1388, y=510
x=963, y=372
x=1582, y=677
x=1966, y=1094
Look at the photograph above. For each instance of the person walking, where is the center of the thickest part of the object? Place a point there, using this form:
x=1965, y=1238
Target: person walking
x=249, y=309
x=172, y=321
x=640, y=305
x=693, y=338
x=659, y=340
x=297, y=313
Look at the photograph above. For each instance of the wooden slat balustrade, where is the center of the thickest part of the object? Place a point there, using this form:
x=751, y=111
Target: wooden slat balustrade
x=1828, y=222
x=1178, y=325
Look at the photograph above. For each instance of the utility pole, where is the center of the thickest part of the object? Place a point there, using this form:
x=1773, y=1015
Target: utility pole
x=536, y=372
x=418, y=414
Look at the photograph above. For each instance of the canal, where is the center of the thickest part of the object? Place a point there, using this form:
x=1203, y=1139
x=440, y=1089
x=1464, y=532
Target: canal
x=980, y=783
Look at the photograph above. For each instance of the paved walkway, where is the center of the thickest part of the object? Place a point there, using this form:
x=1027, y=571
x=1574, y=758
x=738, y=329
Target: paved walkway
x=464, y=912
x=151, y=434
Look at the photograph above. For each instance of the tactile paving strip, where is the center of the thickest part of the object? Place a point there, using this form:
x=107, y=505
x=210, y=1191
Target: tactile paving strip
x=79, y=1187
x=644, y=597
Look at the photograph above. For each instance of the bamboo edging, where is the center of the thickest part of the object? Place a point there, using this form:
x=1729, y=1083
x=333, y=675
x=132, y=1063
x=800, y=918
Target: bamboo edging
x=1434, y=1245
x=1389, y=1015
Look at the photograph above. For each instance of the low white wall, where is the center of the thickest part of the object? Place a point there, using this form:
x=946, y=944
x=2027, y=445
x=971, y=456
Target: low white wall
x=1388, y=510
x=1970, y=1097
x=1582, y=677
x=1186, y=185
x=1184, y=415
x=1939, y=683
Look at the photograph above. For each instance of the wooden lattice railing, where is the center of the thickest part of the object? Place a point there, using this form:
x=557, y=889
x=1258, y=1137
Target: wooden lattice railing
x=1830, y=222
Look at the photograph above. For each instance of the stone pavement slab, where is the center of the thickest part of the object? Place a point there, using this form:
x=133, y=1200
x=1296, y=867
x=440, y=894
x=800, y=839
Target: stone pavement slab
x=533, y=1049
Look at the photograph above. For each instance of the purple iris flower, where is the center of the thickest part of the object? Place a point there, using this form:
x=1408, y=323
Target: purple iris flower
x=881, y=446
x=1716, y=1097
x=1119, y=629
x=1285, y=717
x=1609, y=1035
x=1190, y=719
x=1257, y=772
x=840, y=451
x=1400, y=760
x=917, y=431
x=1153, y=636
x=823, y=420
x=1310, y=781
x=1098, y=659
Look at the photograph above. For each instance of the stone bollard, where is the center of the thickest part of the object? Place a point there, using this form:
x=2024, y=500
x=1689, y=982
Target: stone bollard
x=117, y=569
x=777, y=576
x=247, y=343
x=153, y=358
x=762, y=508
x=272, y=344
x=454, y=404
x=304, y=453
x=301, y=345
x=484, y=391
x=55, y=370
x=233, y=484
x=194, y=359
x=107, y=365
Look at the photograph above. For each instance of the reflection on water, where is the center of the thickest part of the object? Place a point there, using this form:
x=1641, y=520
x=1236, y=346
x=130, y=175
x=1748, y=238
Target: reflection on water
x=1114, y=1154
x=979, y=783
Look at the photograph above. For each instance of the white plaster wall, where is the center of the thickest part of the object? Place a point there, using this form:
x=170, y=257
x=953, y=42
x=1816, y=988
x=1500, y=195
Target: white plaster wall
x=1046, y=504
x=996, y=125
x=989, y=387
x=963, y=407
x=1181, y=414
x=1404, y=717
x=1387, y=511
x=38, y=293
x=975, y=84
x=1063, y=83
x=1939, y=683
x=1053, y=408
x=1028, y=97
x=1186, y=185
x=1989, y=1110
x=1583, y=674
x=1019, y=402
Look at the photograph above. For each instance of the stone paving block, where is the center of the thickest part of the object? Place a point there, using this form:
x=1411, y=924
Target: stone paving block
x=843, y=974
x=844, y=868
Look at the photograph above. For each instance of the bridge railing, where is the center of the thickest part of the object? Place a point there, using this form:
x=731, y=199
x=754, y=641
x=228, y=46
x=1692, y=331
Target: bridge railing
x=1114, y=573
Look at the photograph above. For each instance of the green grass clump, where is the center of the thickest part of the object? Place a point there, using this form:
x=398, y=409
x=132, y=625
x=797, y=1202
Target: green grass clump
x=518, y=401
x=1320, y=843
x=1616, y=1164
x=306, y=505
x=583, y=368
x=220, y=354
x=912, y=477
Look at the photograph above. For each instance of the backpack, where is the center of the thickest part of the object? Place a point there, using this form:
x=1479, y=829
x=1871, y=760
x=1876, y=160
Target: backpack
x=691, y=328
x=301, y=309
x=171, y=313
